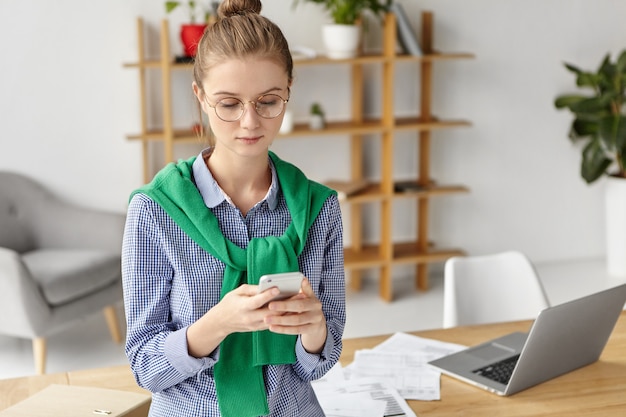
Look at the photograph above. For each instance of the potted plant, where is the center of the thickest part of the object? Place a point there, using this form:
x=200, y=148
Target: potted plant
x=600, y=123
x=191, y=32
x=342, y=37
x=316, y=117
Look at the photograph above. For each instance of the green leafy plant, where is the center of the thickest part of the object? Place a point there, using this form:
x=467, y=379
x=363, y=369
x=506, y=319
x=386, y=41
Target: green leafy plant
x=193, y=8
x=316, y=108
x=599, y=118
x=347, y=12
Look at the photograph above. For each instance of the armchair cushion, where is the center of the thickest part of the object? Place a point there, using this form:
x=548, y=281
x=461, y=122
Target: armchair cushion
x=64, y=275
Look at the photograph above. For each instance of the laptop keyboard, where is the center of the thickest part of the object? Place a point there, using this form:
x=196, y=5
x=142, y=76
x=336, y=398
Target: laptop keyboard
x=500, y=371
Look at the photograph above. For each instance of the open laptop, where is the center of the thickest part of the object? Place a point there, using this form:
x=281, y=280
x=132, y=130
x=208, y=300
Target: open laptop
x=562, y=338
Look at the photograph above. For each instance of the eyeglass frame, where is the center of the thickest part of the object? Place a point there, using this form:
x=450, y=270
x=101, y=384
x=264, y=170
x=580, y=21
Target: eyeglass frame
x=243, y=105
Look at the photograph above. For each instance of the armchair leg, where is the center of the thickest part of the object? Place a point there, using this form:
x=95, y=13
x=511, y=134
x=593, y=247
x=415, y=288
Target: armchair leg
x=113, y=323
x=39, y=354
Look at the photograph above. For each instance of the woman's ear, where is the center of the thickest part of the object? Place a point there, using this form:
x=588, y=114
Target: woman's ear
x=199, y=93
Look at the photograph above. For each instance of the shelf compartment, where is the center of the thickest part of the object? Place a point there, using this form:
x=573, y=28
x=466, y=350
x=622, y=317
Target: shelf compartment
x=367, y=257
x=417, y=124
x=337, y=128
x=154, y=63
x=410, y=253
x=368, y=58
x=435, y=56
x=431, y=191
x=180, y=136
x=372, y=193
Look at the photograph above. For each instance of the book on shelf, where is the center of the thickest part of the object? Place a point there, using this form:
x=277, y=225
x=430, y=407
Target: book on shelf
x=406, y=35
x=407, y=186
x=346, y=189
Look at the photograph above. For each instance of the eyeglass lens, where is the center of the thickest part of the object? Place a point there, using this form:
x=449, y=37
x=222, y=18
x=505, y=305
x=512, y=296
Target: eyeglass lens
x=267, y=106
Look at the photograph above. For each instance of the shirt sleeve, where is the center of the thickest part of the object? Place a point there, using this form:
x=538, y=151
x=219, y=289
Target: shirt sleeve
x=156, y=348
x=328, y=280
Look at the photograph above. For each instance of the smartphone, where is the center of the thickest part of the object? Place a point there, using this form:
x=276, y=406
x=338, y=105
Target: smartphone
x=288, y=283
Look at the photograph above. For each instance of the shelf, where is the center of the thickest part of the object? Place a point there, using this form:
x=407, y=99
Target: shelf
x=416, y=123
x=371, y=58
x=436, y=56
x=403, y=254
x=153, y=63
x=374, y=193
x=431, y=191
x=366, y=258
x=179, y=136
x=336, y=128
x=410, y=253
x=386, y=253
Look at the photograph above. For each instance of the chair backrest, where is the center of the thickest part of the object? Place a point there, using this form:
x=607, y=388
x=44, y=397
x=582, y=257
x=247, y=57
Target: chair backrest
x=19, y=197
x=491, y=288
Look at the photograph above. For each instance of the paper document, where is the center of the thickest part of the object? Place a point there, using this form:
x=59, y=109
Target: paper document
x=380, y=380
x=362, y=397
x=401, y=361
x=406, y=372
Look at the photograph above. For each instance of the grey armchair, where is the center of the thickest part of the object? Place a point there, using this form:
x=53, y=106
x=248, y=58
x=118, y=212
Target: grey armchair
x=58, y=263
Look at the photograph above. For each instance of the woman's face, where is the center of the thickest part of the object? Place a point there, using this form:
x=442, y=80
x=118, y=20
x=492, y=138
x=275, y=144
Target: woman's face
x=246, y=80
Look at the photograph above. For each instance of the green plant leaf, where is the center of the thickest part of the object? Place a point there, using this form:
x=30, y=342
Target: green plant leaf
x=599, y=119
x=621, y=62
x=566, y=100
x=572, y=68
x=584, y=126
x=591, y=105
x=587, y=79
x=171, y=5
x=613, y=132
x=594, y=162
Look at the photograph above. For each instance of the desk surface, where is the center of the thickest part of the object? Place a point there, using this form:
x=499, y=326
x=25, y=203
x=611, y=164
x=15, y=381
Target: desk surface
x=595, y=390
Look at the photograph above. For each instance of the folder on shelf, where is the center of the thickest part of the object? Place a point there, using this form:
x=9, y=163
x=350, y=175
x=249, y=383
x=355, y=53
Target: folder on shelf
x=76, y=401
x=406, y=35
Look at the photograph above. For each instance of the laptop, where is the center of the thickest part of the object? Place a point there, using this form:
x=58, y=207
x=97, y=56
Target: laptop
x=562, y=338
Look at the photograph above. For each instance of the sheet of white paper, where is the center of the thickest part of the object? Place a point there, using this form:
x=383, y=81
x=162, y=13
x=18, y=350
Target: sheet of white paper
x=401, y=361
x=353, y=398
x=351, y=405
x=406, y=372
x=404, y=342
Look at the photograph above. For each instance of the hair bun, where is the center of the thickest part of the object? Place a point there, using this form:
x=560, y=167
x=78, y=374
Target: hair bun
x=230, y=8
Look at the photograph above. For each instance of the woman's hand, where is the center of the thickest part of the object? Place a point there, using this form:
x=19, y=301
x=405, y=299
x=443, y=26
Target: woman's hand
x=301, y=314
x=241, y=310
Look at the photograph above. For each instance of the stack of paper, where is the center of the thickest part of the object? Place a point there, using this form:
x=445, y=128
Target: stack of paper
x=380, y=380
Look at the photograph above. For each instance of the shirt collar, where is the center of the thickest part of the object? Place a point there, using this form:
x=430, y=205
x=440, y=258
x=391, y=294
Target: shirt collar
x=210, y=190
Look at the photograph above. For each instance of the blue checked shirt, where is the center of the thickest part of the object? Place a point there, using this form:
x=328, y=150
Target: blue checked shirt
x=170, y=282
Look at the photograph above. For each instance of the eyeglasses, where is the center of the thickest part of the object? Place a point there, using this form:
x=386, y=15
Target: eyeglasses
x=231, y=109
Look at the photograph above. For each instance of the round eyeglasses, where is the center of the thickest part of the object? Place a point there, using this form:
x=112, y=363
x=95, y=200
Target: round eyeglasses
x=231, y=109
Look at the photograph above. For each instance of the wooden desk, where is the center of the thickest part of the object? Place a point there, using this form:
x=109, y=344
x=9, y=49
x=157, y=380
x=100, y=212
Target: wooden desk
x=598, y=389
x=595, y=390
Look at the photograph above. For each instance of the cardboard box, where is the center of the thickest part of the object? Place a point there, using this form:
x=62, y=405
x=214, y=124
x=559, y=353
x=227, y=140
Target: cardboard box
x=75, y=401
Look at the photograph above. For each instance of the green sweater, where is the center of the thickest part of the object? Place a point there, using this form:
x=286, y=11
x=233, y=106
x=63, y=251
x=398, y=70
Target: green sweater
x=238, y=372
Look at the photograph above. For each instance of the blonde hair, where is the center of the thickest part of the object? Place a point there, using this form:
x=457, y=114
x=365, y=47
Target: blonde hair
x=241, y=32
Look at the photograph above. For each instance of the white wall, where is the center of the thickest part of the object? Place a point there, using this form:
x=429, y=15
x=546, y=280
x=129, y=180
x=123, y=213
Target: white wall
x=66, y=104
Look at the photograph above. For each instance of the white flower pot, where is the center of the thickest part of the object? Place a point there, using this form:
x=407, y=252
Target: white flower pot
x=341, y=41
x=615, y=209
x=316, y=122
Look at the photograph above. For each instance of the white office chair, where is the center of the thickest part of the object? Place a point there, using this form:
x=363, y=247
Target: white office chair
x=491, y=288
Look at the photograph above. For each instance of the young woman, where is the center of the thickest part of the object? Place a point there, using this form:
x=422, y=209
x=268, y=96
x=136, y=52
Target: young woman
x=200, y=336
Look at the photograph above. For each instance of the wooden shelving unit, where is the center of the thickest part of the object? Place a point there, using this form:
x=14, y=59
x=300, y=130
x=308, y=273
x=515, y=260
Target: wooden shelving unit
x=359, y=256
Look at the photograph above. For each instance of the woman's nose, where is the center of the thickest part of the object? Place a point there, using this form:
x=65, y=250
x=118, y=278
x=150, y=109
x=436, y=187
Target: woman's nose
x=250, y=118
